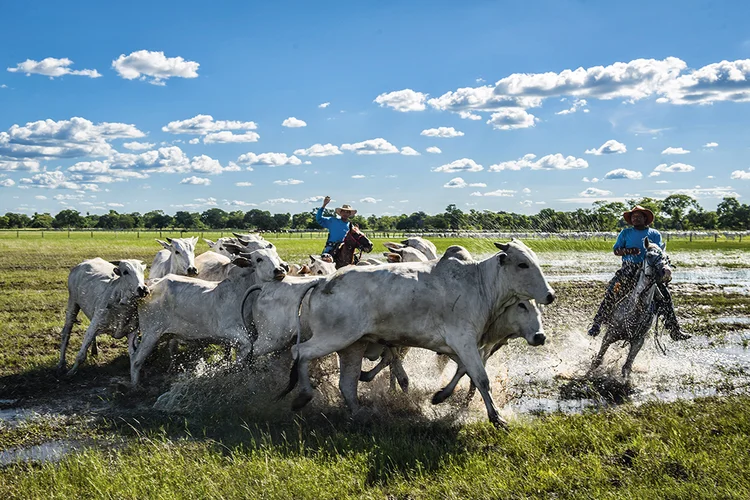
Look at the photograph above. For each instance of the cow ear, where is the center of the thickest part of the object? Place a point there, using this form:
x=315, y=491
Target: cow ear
x=502, y=246
x=242, y=262
x=646, y=242
x=305, y=270
x=243, y=241
x=117, y=272
x=270, y=245
x=312, y=259
x=237, y=235
x=209, y=242
x=501, y=257
x=164, y=244
x=115, y=262
x=169, y=240
x=232, y=248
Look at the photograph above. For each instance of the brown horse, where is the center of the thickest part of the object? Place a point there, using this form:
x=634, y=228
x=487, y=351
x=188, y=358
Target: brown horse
x=345, y=253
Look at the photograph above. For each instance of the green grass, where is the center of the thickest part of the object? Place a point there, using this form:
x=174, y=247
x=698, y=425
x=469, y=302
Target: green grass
x=685, y=449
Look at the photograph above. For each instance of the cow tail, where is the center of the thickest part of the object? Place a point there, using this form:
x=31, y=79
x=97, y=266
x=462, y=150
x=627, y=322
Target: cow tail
x=293, y=378
x=250, y=290
x=299, y=311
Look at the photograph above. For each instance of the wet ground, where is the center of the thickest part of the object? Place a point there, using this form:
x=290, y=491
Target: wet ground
x=526, y=380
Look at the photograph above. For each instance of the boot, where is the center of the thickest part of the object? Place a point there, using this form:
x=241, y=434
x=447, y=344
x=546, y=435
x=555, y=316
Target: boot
x=674, y=331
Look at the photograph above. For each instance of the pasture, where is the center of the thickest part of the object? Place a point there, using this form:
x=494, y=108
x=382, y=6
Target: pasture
x=679, y=429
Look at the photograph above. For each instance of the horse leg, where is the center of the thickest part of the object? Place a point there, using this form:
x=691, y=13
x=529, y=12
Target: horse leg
x=606, y=342
x=635, y=347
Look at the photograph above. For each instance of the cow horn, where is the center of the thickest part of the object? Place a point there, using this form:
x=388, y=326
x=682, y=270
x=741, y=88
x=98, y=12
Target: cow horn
x=237, y=235
x=242, y=262
x=115, y=262
x=502, y=246
x=243, y=241
x=232, y=248
x=169, y=240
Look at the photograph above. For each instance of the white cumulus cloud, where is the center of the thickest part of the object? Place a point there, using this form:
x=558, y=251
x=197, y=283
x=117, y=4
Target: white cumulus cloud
x=7, y=182
x=138, y=146
x=675, y=151
x=205, y=124
x=268, y=159
x=550, y=162
x=674, y=168
x=442, y=132
x=622, y=173
x=319, y=150
x=462, y=165
x=594, y=192
x=434, y=150
x=196, y=181
x=511, y=119
x=52, y=68
x=371, y=147
x=154, y=67
x=369, y=199
x=243, y=184
x=407, y=151
x=711, y=145
x=288, y=182
x=610, y=147
x=456, y=182
x=293, y=122
x=229, y=137
x=402, y=100
x=741, y=175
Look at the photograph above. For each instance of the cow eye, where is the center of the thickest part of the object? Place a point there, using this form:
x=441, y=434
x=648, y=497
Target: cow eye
x=177, y=252
x=320, y=272
x=523, y=265
x=258, y=260
x=125, y=273
x=523, y=306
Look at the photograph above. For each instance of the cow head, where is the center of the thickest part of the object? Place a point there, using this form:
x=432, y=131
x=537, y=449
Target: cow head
x=525, y=320
x=182, y=258
x=520, y=267
x=320, y=266
x=130, y=273
x=252, y=245
x=220, y=246
x=266, y=264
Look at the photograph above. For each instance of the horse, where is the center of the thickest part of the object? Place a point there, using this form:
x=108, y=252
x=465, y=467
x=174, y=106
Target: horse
x=634, y=313
x=345, y=253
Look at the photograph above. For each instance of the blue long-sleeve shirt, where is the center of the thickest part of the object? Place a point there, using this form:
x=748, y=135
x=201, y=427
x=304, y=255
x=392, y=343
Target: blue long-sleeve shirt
x=337, y=228
x=631, y=237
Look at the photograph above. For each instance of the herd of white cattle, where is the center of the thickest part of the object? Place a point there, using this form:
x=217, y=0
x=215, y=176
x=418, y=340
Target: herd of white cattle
x=242, y=295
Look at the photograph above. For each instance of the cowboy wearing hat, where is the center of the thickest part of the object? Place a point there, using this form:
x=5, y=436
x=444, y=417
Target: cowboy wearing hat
x=631, y=247
x=337, y=226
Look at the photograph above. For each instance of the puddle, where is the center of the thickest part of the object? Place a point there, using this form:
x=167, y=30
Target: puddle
x=12, y=417
x=733, y=320
x=51, y=451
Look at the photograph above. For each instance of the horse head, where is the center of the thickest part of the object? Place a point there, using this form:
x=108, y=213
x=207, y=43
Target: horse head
x=357, y=240
x=656, y=264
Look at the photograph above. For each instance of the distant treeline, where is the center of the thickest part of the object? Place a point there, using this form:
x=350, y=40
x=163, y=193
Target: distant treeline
x=678, y=211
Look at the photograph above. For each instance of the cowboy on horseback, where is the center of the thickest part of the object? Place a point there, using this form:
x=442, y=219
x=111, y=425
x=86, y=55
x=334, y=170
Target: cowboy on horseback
x=337, y=226
x=630, y=246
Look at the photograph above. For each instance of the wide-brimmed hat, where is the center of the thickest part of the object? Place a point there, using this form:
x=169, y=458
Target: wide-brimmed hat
x=347, y=208
x=648, y=213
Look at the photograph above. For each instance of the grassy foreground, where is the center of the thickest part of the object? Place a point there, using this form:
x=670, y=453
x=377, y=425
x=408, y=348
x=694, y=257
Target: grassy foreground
x=686, y=449
x=680, y=450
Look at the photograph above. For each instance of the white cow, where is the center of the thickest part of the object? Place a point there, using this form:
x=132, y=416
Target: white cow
x=522, y=319
x=212, y=266
x=107, y=294
x=403, y=253
x=321, y=267
x=218, y=245
x=427, y=247
x=178, y=257
x=445, y=306
x=195, y=309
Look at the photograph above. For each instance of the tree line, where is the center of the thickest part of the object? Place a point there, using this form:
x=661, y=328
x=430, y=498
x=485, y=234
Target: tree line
x=677, y=212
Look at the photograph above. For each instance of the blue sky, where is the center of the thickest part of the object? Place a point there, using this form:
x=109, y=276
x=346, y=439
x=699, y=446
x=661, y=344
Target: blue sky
x=523, y=106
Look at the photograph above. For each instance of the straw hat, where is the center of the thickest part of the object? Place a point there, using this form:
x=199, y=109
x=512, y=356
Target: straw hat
x=346, y=207
x=645, y=211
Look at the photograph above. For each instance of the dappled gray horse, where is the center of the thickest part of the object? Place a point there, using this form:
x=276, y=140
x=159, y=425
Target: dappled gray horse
x=634, y=313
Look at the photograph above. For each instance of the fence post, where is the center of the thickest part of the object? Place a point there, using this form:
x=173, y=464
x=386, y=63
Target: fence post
x=18, y=235
x=42, y=234
x=691, y=237
x=716, y=237
x=92, y=235
x=159, y=233
x=68, y=233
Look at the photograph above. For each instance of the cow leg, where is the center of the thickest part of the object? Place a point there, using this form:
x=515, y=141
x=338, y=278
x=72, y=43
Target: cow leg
x=149, y=339
x=446, y=391
x=606, y=342
x=397, y=369
x=303, y=354
x=385, y=359
x=71, y=312
x=350, y=367
x=468, y=354
x=94, y=349
x=88, y=338
x=635, y=347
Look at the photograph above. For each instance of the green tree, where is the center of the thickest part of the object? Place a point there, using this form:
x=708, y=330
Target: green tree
x=68, y=218
x=675, y=207
x=44, y=220
x=188, y=220
x=303, y=220
x=236, y=219
x=283, y=221
x=4, y=223
x=215, y=218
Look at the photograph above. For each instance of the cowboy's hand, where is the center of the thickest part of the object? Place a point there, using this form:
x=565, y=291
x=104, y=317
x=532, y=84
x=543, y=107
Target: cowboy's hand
x=632, y=251
x=326, y=200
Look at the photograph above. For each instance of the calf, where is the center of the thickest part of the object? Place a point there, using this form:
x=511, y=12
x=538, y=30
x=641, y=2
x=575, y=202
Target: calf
x=178, y=257
x=107, y=293
x=195, y=309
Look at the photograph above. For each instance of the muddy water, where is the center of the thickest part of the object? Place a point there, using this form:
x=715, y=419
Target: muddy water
x=51, y=451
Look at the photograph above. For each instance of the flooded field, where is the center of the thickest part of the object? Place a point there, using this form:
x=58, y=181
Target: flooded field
x=526, y=381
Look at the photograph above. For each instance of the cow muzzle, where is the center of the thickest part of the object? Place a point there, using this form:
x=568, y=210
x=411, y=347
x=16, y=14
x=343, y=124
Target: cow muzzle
x=550, y=298
x=143, y=291
x=279, y=274
x=192, y=271
x=537, y=340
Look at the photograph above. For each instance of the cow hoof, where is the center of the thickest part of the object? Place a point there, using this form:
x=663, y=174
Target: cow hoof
x=500, y=423
x=440, y=396
x=60, y=369
x=366, y=376
x=72, y=371
x=300, y=401
x=404, y=383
